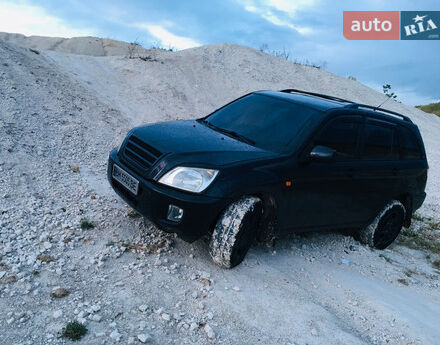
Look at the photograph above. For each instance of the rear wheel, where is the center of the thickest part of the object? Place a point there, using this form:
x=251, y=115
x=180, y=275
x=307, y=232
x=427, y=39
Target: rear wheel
x=385, y=227
x=234, y=232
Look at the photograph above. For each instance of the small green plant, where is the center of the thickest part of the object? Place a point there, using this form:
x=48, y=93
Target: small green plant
x=423, y=239
x=74, y=331
x=133, y=214
x=387, y=91
x=418, y=217
x=409, y=272
x=158, y=46
x=350, y=77
x=286, y=55
x=133, y=48
x=436, y=264
x=307, y=62
x=433, y=225
x=110, y=244
x=387, y=259
x=403, y=281
x=147, y=58
x=86, y=224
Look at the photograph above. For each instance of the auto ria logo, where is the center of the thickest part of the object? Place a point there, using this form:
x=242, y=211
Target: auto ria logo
x=391, y=25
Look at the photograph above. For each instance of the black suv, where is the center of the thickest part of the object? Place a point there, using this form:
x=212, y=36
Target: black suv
x=289, y=160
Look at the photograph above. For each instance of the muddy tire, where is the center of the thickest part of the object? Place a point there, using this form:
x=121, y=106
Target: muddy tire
x=234, y=232
x=385, y=227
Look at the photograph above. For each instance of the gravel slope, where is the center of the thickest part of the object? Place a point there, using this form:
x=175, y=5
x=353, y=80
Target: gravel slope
x=60, y=114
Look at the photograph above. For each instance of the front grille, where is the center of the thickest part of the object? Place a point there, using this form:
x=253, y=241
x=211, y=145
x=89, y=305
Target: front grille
x=141, y=153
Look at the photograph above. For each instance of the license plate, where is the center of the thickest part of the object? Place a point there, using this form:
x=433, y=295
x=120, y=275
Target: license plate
x=125, y=179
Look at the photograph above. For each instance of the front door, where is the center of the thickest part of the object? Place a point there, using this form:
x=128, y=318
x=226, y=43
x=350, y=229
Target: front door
x=326, y=193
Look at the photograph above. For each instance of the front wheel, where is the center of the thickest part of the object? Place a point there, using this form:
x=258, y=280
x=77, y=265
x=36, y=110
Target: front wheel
x=385, y=227
x=234, y=232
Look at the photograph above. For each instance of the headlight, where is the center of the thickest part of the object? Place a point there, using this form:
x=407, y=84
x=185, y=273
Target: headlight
x=190, y=179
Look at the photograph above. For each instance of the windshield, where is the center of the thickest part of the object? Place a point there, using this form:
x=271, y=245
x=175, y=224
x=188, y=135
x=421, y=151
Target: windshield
x=266, y=122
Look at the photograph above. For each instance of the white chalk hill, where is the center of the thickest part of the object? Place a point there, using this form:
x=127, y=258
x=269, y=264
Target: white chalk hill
x=70, y=101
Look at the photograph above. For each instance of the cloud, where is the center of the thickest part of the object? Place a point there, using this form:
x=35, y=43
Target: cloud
x=290, y=7
x=274, y=19
x=168, y=39
x=279, y=12
x=33, y=20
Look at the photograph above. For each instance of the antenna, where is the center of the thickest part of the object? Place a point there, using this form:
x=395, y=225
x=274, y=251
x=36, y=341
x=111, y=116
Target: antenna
x=388, y=98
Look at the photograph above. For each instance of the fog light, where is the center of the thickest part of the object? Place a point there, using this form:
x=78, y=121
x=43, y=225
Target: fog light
x=175, y=213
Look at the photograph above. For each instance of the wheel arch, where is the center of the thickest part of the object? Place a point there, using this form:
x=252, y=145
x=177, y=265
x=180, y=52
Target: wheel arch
x=407, y=202
x=269, y=220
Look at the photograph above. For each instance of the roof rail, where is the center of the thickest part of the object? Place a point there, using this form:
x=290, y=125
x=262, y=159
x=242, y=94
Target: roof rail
x=317, y=95
x=388, y=112
x=350, y=105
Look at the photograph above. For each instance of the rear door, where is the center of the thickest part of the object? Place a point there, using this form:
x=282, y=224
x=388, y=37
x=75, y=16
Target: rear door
x=379, y=171
x=413, y=165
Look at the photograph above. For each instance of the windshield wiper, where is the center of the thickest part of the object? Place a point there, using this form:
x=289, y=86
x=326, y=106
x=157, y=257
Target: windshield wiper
x=229, y=132
x=236, y=136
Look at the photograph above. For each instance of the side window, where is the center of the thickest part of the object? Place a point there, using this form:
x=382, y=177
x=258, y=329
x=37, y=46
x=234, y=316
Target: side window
x=409, y=145
x=380, y=142
x=341, y=135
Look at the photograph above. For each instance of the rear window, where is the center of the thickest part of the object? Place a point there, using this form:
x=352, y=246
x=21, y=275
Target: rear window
x=409, y=145
x=380, y=142
x=270, y=122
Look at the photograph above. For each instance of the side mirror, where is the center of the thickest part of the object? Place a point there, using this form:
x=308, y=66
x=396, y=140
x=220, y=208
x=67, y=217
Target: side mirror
x=322, y=153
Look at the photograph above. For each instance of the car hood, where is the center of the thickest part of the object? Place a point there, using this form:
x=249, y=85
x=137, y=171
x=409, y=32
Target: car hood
x=192, y=142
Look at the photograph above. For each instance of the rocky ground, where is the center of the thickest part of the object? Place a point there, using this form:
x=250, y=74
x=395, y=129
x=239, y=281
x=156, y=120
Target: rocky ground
x=71, y=250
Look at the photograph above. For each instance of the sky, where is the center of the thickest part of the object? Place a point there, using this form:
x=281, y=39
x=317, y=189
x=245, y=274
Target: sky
x=309, y=30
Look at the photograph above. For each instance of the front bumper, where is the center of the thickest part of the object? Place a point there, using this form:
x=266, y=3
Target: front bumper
x=153, y=199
